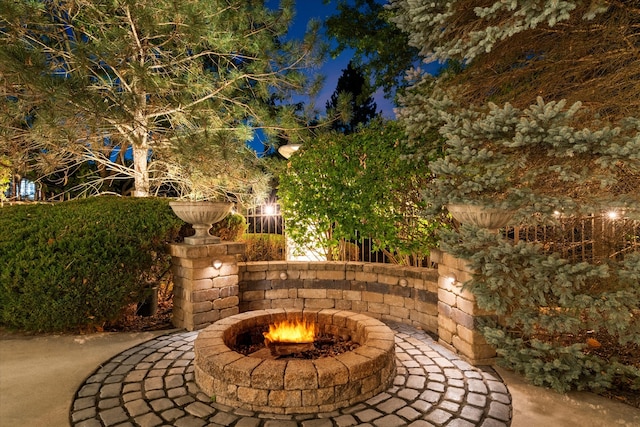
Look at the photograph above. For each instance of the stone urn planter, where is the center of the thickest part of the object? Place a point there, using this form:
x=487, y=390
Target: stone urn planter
x=480, y=216
x=201, y=215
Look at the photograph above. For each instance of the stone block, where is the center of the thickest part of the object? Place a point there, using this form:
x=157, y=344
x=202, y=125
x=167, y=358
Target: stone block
x=446, y=324
x=373, y=297
x=380, y=308
x=269, y=375
x=253, y=296
x=331, y=275
x=330, y=372
x=473, y=351
x=370, y=383
x=205, y=318
x=285, y=398
x=231, y=311
x=229, y=270
x=229, y=291
x=312, y=293
x=362, y=276
x=445, y=336
x=224, y=281
x=394, y=300
x=319, y=396
x=253, y=396
x=257, y=305
x=193, y=285
x=358, y=366
x=205, y=295
x=257, y=266
x=426, y=307
x=308, y=274
x=300, y=375
x=359, y=306
x=470, y=336
x=252, y=276
x=221, y=303
x=388, y=279
x=318, y=303
x=409, y=303
x=352, y=295
x=334, y=294
x=342, y=304
x=276, y=294
x=200, y=307
x=462, y=318
x=238, y=372
x=447, y=297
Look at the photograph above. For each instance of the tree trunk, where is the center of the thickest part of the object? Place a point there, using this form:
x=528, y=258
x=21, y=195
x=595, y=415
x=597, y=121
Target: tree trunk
x=141, y=172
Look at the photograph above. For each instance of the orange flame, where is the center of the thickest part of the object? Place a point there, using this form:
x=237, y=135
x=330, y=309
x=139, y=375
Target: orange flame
x=291, y=331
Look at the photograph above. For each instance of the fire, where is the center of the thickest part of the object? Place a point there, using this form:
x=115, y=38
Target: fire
x=291, y=331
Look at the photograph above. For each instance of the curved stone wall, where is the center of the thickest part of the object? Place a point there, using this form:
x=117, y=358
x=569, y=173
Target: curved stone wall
x=383, y=291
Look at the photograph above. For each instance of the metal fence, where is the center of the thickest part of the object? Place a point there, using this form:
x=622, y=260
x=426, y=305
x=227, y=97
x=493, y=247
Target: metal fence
x=267, y=218
x=593, y=239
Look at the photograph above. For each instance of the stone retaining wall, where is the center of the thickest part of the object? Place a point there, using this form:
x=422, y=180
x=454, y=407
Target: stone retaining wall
x=383, y=291
x=209, y=285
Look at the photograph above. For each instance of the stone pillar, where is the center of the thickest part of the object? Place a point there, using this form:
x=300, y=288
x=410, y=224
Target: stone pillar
x=458, y=312
x=205, y=283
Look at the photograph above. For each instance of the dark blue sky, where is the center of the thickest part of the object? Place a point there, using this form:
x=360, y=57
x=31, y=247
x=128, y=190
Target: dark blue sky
x=332, y=69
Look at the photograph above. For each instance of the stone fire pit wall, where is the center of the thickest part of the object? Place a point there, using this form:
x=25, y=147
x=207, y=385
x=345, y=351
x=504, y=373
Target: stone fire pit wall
x=295, y=386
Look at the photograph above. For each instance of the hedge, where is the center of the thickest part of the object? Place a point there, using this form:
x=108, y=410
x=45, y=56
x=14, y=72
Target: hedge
x=78, y=264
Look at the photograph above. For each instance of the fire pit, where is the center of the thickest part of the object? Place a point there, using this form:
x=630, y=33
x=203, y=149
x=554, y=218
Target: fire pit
x=295, y=386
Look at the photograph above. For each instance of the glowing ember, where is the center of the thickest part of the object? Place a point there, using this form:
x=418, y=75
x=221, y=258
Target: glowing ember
x=291, y=331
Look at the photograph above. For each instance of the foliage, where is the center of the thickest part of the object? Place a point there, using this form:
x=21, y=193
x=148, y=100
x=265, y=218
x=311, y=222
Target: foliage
x=231, y=228
x=539, y=114
x=362, y=105
x=5, y=176
x=381, y=50
x=263, y=247
x=347, y=187
x=544, y=301
x=536, y=159
x=78, y=264
x=141, y=87
x=515, y=51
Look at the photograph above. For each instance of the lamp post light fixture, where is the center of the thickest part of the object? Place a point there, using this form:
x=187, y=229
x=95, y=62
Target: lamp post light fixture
x=287, y=151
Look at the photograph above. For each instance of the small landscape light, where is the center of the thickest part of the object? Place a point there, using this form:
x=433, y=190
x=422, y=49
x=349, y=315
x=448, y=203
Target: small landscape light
x=217, y=264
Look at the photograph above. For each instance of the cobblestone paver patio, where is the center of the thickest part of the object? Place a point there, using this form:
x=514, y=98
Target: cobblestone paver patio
x=153, y=384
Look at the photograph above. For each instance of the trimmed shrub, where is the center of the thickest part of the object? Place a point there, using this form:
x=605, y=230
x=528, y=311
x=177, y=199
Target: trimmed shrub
x=264, y=247
x=78, y=264
x=231, y=228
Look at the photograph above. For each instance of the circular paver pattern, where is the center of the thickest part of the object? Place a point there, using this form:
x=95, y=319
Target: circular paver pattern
x=152, y=384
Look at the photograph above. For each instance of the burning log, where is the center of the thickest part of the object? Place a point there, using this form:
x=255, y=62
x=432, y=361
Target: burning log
x=285, y=338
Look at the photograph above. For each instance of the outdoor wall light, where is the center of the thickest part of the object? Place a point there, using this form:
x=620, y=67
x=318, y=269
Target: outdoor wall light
x=450, y=279
x=217, y=264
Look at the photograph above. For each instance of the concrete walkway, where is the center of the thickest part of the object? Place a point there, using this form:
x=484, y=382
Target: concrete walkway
x=40, y=376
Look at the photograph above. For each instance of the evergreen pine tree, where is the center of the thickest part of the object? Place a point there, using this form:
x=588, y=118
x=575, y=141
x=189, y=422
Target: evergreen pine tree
x=353, y=85
x=179, y=85
x=541, y=118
